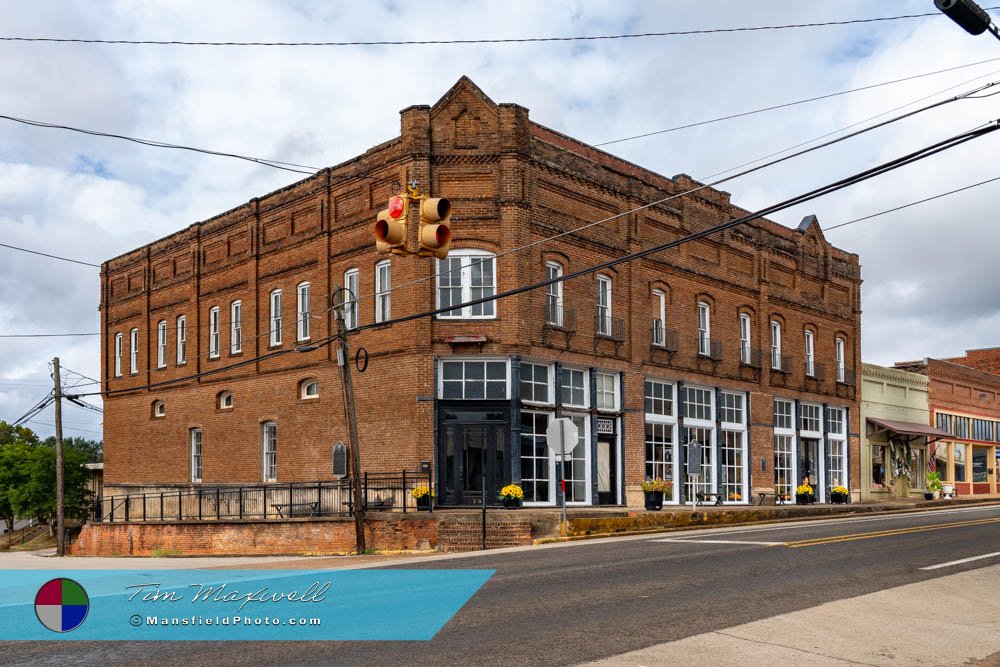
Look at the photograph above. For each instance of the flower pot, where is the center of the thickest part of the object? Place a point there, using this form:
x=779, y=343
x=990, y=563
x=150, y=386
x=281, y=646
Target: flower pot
x=947, y=490
x=804, y=499
x=654, y=500
x=928, y=495
x=838, y=499
x=511, y=503
x=424, y=503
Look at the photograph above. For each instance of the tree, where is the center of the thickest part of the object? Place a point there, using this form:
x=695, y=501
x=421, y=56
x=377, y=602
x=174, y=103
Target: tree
x=16, y=446
x=36, y=493
x=92, y=449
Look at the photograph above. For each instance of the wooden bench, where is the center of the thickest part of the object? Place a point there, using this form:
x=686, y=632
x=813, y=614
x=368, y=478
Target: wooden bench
x=778, y=498
x=701, y=495
x=296, y=509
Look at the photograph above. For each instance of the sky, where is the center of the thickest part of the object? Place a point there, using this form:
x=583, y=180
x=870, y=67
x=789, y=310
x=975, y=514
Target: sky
x=931, y=271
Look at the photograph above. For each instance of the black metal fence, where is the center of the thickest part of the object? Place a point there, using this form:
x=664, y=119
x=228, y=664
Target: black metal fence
x=390, y=491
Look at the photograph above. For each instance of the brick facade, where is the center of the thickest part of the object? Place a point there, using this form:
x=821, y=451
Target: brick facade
x=511, y=182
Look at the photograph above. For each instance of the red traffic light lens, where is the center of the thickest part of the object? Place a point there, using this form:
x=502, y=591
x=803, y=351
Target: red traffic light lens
x=396, y=207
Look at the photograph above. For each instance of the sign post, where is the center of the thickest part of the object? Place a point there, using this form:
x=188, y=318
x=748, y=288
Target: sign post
x=562, y=436
x=693, y=464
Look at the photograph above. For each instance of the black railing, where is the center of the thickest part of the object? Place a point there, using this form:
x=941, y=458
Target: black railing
x=611, y=327
x=848, y=378
x=815, y=371
x=390, y=491
x=751, y=357
x=709, y=347
x=664, y=338
x=781, y=363
x=557, y=316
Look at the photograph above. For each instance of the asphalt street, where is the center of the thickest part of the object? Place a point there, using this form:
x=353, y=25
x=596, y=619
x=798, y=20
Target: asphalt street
x=583, y=601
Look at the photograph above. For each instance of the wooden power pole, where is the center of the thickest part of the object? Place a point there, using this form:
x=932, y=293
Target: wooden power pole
x=343, y=361
x=60, y=519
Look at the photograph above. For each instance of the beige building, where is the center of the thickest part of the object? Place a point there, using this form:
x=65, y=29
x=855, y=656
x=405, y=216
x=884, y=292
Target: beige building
x=895, y=416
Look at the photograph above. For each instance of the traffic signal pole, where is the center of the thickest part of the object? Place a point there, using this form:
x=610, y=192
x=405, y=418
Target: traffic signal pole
x=969, y=15
x=60, y=519
x=343, y=357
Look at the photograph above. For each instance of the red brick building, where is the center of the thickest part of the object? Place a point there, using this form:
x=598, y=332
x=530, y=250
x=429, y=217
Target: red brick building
x=964, y=397
x=747, y=341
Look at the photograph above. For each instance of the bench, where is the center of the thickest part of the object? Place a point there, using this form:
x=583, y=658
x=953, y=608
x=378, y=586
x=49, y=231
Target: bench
x=779, y=499
x=701, y=495
x=296, y=509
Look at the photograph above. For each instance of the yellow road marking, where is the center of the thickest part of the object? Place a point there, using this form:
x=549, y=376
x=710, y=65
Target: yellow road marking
x=817, y=541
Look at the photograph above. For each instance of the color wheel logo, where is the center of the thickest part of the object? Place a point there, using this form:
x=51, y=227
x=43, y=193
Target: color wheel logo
x=61, y=605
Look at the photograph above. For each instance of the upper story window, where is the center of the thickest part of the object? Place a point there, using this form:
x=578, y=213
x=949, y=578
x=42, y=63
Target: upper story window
x=351, y=298
x=810, y=354
x=783, y=414
x=659, y=398
x=213, y=332
x=181, y=340
x=270, y=437
x=961, y=427
x=133, y=351
x=745, y=338
x=119, y=342
x=731, y=408
x=943, y=422
x=236, y=327
x=275, y=317
x=536, y=383
x=841, y=362
x=159, y=409
x=809, y=420
x=775, y=345
x=835, y=421
x=383, y=291
x=309, y=389
x=982, y=429
x=603, y=305
x=697, y=403
x=659, y=317
x=607, y=391
x=302, y=312
x=574, y=388
x=474, y=380
x=704, y=328
x=554, y=294
x=161, y=343
x=226, y=400
x=196, y=455
x=466, y=275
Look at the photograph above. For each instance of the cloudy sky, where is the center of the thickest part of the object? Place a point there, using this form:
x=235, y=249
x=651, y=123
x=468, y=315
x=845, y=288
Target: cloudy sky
x=931, y=271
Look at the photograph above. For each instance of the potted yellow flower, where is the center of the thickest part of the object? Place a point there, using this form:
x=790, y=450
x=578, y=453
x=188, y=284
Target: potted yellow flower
x=423, y=495
x=838, y=495
x=653, y=491
x=804, y=495
x=511, y=496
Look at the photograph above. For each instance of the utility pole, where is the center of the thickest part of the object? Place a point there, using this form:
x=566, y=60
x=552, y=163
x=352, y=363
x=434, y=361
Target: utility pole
x=60, y=522
x=343, y=358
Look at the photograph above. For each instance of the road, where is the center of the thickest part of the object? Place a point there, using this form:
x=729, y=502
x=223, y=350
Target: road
x=578, y=602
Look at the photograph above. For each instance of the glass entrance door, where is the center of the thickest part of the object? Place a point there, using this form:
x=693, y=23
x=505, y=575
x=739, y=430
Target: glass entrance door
x=607, y=471
x=473, y=457
x=809, y=465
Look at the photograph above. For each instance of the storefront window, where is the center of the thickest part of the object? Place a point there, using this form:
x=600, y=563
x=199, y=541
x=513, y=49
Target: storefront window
x=878, y=465
x=979, y=474
x=578, y=468
x=919, y=469
x=731, y=483
x=941, y=459
x=705, y=481
x=959, y=463
x=659, y=451
x=783, y=473
x=536, y=472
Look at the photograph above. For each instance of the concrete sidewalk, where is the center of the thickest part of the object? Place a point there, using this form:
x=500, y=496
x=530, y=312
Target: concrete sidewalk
x=951, y=620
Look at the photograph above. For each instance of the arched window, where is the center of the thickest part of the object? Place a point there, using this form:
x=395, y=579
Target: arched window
x=226, y=400
x=159, y=409
x=309, y=389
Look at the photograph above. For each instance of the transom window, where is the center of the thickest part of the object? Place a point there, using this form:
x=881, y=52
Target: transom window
x=659, y=398
x=783, y=414
x=961, y=427
x=943, y=422
x=535, y=383
x=731, y=408
x=574, y=388
x=810, y=419
x=474, y=380
x=697, y=403
x=466, y=275
x=607, y=391
x=982, y=429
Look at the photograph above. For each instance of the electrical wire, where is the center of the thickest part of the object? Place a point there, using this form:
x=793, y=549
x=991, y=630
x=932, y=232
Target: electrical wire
x=57, y=335
x=507, y=40
x=45, y=254
x=886, y=167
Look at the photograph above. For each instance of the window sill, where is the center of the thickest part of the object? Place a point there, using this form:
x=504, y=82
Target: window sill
x=236, y=354
x=213, y=357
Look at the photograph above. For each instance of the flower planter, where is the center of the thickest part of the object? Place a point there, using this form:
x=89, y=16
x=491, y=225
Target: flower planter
x=424, y=503
x=928, y=495
x=654, y=500
x=512, y=503
x=804, y=499
x=838, y=499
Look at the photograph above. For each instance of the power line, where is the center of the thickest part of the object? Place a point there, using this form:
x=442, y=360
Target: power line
x=56, y=335
x=276, y=164
x=45, y=254
x=886, y=167
x=504, y=40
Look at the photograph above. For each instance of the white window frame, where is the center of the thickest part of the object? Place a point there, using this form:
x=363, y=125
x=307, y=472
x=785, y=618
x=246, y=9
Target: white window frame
x=133, y=339
x=269, y=437
x=236, y=327
x=383, y=291
x=467, y=360
x=582, y=422
x=668, y=422
x=214, y=337
x=841, y=359
x=119, y=345
x=810, y=344
x=776, y=345
x=351, y=278
x=739, y=428
x=745, y=354
x=224, y=397
x=554, y=294
x=614, y=379
x=586, y=388
x=660, y=324
x=548, y=458
x=274, y=299
x=196, y=455
x=819, y=485
x=159, y=409
x=466, y=258
x=181, y=340
x=842, y=475
x=302, y=314
x=549, y=382
x=304, y=389
x=161, y=344
x=604, y=305
x=704, y=328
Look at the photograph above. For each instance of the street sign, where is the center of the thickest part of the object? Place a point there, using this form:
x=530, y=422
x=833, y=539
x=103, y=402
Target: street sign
x=562, y=436
x=694, y=458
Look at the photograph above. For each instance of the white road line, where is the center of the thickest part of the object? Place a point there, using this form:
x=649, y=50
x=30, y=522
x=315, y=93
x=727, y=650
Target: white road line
x=767, y=544
x=959, y=562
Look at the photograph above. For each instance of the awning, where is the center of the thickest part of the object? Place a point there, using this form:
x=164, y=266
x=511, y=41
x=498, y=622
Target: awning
x=908, y=428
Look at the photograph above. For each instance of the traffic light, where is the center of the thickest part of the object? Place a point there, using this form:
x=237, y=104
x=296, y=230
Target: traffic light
x=967, y=14
x=435, y=227
x=390, y=226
